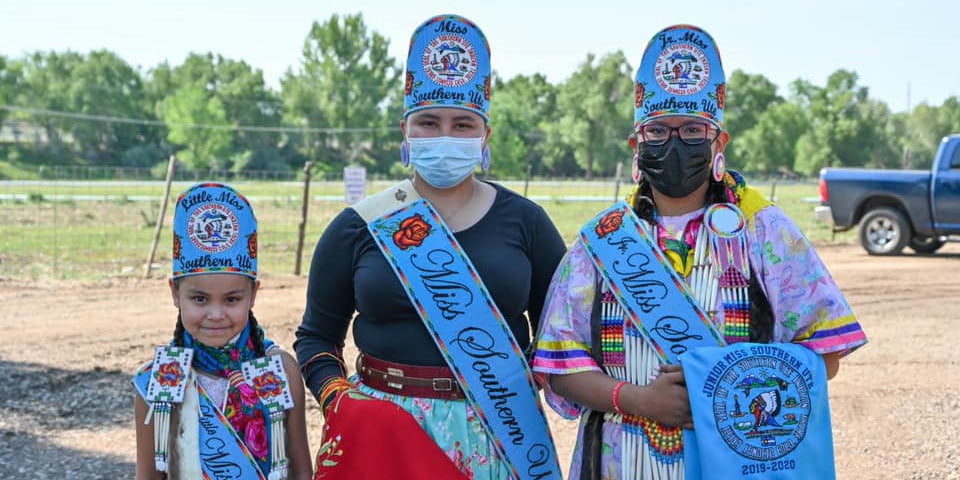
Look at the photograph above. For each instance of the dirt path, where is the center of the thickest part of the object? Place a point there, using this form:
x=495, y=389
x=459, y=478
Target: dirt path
x=66, y=407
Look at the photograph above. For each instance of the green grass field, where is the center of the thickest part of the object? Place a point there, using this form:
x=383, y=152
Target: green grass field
x=102, y=229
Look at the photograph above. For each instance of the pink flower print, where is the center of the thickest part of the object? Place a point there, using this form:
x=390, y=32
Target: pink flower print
x=237, y=420
x=247, y=394
x=423, y=404
x=458, y=460
x=470, y=414
x=235, y=354
x=255, y=436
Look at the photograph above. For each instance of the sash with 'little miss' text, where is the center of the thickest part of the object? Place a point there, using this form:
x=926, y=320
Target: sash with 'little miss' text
x=222, y=452
x=653, y=296
x=471, y=333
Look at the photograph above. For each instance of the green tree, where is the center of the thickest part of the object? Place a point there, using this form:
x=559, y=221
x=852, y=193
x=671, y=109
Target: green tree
x=103, y=84
x=204, y=148
x=99, y=84
x=770, y=145
x=245, y=99
x=523, y=105
x=748, y=97
x=46, y=86
x=846, y=129
x=346, y=81
x=596, y=113
x=887, y=149
x=9, y=84
x=925, y=128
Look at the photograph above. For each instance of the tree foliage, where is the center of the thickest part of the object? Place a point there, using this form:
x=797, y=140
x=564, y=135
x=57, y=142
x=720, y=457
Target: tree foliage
x=524, y=104
x=346, y=79
x=343, y=103
x=204, y=148
x=596, y=113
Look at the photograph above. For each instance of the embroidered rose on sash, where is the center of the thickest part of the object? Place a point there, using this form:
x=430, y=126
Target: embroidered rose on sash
x=252, y=245
x=486, y=88
x=413, y=230
x=721, y=94
x=408, y=85
x=609, y=223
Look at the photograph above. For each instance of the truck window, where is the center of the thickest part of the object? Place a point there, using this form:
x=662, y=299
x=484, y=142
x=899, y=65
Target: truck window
x=955, y=161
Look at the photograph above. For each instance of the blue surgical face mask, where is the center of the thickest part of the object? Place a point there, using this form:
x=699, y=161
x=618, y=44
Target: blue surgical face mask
x=444, y=162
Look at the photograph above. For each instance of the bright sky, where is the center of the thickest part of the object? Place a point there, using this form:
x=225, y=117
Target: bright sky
x=905, y=52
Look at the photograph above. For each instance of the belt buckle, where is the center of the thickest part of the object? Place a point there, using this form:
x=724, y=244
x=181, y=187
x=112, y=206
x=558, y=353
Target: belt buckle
x=442, y=385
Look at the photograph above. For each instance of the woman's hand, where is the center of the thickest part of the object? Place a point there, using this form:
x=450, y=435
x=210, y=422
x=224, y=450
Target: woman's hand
x=664, y=399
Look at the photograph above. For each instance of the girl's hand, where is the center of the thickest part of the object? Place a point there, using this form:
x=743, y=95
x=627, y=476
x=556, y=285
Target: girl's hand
x=664, y=399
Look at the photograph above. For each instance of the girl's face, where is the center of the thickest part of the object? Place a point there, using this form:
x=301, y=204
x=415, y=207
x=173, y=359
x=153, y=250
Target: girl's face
x=214, y=307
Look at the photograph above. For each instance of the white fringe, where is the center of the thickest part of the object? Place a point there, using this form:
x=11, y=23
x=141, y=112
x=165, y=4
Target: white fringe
x=279, y=467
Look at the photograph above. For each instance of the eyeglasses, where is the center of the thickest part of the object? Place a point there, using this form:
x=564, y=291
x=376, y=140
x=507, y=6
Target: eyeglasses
x=693, y=133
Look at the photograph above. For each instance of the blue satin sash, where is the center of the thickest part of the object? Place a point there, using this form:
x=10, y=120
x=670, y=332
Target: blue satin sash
x=653, y=296
x=471, y=333
x=222, y=452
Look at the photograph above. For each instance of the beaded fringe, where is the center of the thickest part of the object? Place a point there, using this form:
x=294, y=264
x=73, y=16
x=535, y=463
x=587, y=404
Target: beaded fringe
x=161, y=433
x=279, y=466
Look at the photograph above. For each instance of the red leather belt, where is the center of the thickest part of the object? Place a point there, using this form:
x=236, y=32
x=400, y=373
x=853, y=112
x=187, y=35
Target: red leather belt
x=408, y=380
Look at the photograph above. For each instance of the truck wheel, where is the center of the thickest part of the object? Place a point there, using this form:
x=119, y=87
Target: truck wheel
x=925, y=244
x=884, y=231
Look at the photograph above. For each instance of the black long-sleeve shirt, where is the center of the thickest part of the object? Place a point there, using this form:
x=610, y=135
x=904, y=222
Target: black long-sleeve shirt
x=514, y=247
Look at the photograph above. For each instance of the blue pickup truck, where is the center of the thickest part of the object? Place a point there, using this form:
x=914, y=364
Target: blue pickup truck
x=896, y=208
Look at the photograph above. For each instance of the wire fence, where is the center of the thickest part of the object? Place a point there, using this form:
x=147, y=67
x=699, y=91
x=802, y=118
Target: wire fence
x=96, y=222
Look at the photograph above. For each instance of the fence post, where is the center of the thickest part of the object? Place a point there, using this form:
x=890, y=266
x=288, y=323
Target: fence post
x=526, y=181
x=616, y=188
x=302, y=228
x=163, y=212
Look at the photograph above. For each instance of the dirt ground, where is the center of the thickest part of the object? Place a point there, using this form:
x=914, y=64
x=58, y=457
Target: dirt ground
x=66, y=407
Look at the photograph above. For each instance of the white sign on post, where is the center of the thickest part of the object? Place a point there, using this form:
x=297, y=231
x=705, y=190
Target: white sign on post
x=355, y=184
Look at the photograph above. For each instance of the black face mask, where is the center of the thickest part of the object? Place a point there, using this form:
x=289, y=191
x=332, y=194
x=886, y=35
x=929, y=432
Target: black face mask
x=675, y=169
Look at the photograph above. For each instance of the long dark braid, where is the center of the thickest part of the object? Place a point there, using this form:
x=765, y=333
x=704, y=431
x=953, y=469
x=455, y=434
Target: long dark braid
x=256, y=334
x=761, y=313
x=178, y=332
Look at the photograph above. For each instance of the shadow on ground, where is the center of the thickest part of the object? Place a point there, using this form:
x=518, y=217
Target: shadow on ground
x=52, y=397
x=24, y=456
x=36, y=401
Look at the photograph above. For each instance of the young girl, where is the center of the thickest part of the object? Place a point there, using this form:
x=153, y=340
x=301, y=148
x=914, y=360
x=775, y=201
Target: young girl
x=748, y=268
x=221, y=400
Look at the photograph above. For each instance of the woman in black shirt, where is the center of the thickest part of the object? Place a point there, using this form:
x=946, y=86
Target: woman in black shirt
x=510, y=240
